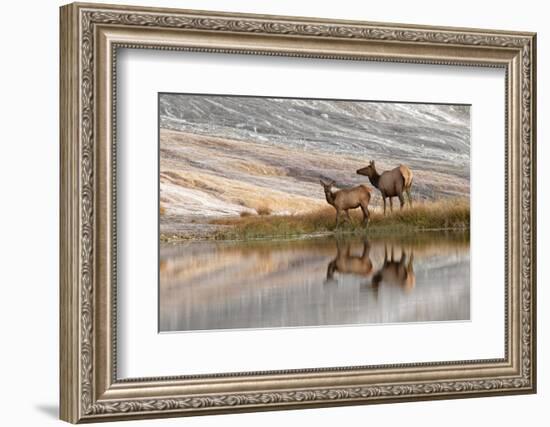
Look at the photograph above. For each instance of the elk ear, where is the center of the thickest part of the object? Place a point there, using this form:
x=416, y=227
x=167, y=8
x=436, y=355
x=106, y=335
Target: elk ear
x=322, y=183
x=372, y=163
x=332, y=182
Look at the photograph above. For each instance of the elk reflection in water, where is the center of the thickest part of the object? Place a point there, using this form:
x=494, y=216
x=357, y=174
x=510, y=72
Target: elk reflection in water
x=393, y=273
x=345, y=262
x=314, y=282
x=399, y=273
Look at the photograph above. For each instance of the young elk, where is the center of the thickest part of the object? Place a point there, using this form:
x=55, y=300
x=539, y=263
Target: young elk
x=391, y=183
x=343, y=200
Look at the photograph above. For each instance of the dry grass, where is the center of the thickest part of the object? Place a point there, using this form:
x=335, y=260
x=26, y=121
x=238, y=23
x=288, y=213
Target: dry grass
x=445, y=214
x=162, y=210
x=263, y=210
x=243, y=214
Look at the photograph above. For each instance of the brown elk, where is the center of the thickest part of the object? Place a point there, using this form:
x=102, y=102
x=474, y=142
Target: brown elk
x=345, y=262
x=343, y=200
x=398, y=273
x=391, y=183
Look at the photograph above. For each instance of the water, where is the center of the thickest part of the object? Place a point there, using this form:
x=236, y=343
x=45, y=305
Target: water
x=207, y=285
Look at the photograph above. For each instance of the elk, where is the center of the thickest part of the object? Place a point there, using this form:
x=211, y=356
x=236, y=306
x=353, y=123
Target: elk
x=393, y=272
x=343, y=200
x=391, y=183
x=345, y=262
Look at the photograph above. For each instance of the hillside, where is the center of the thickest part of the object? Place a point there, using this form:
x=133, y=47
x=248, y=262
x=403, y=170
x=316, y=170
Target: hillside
x=221, y=156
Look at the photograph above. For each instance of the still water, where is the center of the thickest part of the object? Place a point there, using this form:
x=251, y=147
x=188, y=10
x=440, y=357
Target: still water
x=207, y=285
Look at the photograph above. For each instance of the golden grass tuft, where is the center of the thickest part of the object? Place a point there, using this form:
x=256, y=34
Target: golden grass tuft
x=263, y=210
x=448, y=214
x=243, y=214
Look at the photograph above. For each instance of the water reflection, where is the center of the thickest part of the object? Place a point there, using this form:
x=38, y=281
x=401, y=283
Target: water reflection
x=346, y=263
x=398, y=273
x=314, y=282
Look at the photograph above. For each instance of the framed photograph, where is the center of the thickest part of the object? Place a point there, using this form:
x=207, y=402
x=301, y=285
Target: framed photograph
x=267, y=212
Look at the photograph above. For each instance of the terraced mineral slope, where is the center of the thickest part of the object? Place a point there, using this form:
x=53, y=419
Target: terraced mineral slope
x=224, y=155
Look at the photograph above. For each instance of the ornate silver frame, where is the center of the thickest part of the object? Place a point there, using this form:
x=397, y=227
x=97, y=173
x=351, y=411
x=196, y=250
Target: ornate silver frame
x=90, y=36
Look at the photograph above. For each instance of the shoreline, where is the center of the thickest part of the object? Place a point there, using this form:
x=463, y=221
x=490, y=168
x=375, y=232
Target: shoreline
x=442, y=215
x=174, y=239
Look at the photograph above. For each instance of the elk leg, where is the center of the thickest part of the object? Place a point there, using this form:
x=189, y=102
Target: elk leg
x=348, y=250
x=366, y=249
x=384, y=200
x=411, y=260
x=347, y=215
x=338, y=248
x=401, y=201
x=408, y=191
x=337, y=218
x=391, y=204
x=365, y=210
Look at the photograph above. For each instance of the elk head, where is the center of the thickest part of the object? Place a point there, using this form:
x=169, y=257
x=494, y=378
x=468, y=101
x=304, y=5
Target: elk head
x=327, y=185
x=369, y=170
